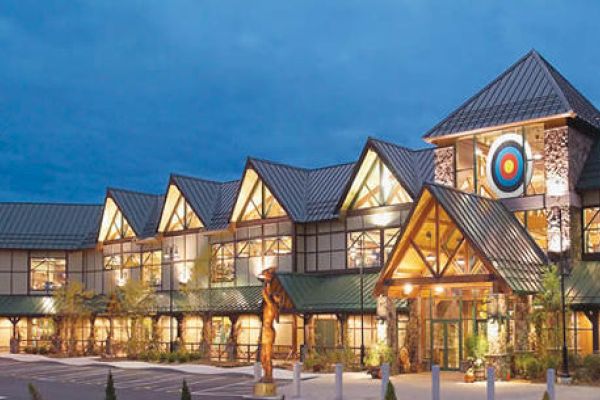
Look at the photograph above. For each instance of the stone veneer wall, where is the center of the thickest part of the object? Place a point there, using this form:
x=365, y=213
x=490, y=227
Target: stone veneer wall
x=444, y=165
x=566, y=150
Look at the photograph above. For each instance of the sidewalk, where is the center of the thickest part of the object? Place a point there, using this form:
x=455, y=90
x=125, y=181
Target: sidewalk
x=187, y=368
x=359, y=386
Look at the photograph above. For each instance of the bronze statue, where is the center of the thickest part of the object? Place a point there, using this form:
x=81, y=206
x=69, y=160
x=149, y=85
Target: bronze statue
x=271, y=303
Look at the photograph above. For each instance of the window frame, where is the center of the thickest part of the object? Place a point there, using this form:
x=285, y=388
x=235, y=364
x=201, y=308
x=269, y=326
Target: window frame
x=46, y=272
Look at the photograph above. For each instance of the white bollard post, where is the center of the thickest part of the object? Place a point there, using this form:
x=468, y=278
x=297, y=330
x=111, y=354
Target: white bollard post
x=339, y=369
x=257, y=371
x=385, y=378
x=490, y=384
x=435, y=382
x=297, y=377
x=550, y=379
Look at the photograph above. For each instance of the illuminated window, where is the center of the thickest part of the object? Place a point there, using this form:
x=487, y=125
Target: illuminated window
x=151, y=267
x=261, y=204
x=472, y=155
x=183, y=217
x=390, y=236
x=278, y=246
x=249, y=248
x=223, y=263
x=591, y=230
x=114, y=224
x=364, y=249
x=378, y=186
x=47, y=272
x=536, y=223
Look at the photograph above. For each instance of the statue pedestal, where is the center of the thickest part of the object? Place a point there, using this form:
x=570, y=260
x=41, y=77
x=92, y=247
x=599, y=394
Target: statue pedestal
x=264, y=391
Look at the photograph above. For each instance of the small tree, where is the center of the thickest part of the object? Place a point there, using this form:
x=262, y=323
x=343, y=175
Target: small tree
x=390, y=393
x=185, y=392
x=546, y=314
x=134, y=301
x=110, y=388
x=35, y=395
x=72, y=303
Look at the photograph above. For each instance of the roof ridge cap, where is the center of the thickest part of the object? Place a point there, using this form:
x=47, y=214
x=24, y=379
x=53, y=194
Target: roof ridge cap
x=197, y=178
x=545, y=67
x=49, y=203
x=110, y=188
x=277, y=163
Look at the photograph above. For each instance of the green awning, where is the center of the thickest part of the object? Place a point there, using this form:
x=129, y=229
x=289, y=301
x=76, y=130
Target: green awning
x=218, y=300
x=583, y=286
x=26, y=306
x=331, y=293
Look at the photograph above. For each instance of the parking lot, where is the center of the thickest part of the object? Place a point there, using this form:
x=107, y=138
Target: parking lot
x=65, y=382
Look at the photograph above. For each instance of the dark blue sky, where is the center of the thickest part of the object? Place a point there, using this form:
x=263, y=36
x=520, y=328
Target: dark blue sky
x=121, y=93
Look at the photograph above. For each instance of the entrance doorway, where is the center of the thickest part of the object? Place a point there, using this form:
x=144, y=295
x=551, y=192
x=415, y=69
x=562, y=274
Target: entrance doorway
x=446, y=344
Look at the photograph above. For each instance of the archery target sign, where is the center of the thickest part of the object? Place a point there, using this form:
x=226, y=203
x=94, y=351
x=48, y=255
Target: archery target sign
x=509, y=165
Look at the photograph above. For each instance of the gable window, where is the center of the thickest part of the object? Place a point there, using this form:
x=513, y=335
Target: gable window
x=378, y=186
x=180, y=215
x=261, y=204
x=591, y=230
x=47, y=273
x=114, y=225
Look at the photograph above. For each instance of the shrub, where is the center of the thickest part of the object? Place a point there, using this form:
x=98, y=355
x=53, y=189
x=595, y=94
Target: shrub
x=35, y=395
x=591, y=363
x=185, y=392
x=163, y=357
x=312, y=359
x=476, y=346
x=534, y=368
x=171, y=357
x=182, y=356
x=379, y=354
x=390, y=393
x=110, y=388
x=343, y=355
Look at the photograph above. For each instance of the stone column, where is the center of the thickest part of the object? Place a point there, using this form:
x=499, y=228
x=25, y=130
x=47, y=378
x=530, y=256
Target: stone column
x=343, y=323
x=444, y=165
x=413, y=334
x=521, y=332
x=205, y=347
x=391, y=337
x=232, y=341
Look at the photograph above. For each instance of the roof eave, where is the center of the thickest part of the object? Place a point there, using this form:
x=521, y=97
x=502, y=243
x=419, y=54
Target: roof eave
x=436, y=139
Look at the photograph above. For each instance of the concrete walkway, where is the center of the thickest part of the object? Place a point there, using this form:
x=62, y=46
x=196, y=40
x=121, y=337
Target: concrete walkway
x=187, y=368
x=359, y=386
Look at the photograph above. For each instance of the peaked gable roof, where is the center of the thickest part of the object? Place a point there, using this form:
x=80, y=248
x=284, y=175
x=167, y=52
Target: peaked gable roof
x=494, y=232
x=410, y=167
x=531, y=88
x=305, y=194
x=141, y=210
x=497, y=234
x=49, y=226
x=211, y=200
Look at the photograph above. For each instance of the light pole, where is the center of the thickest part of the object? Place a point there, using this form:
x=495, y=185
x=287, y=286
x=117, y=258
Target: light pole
x=559, y=256
x=362, y=316
x=172, y=255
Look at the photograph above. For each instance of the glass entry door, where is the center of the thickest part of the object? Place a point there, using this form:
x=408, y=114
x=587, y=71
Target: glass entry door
x=446, y=344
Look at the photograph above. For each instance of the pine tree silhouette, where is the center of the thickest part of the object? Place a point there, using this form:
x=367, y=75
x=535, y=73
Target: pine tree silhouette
x=185, y=392
x=110, y=388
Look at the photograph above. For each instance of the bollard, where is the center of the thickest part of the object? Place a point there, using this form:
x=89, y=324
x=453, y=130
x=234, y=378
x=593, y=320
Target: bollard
x=257, y=371
x=339, y=369
x=490, y=384
x=550, y=379
x=297, y=372
x=385, y=378
x=435, y=382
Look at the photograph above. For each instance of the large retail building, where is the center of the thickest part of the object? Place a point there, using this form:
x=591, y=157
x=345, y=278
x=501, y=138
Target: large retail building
x=445, y=238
